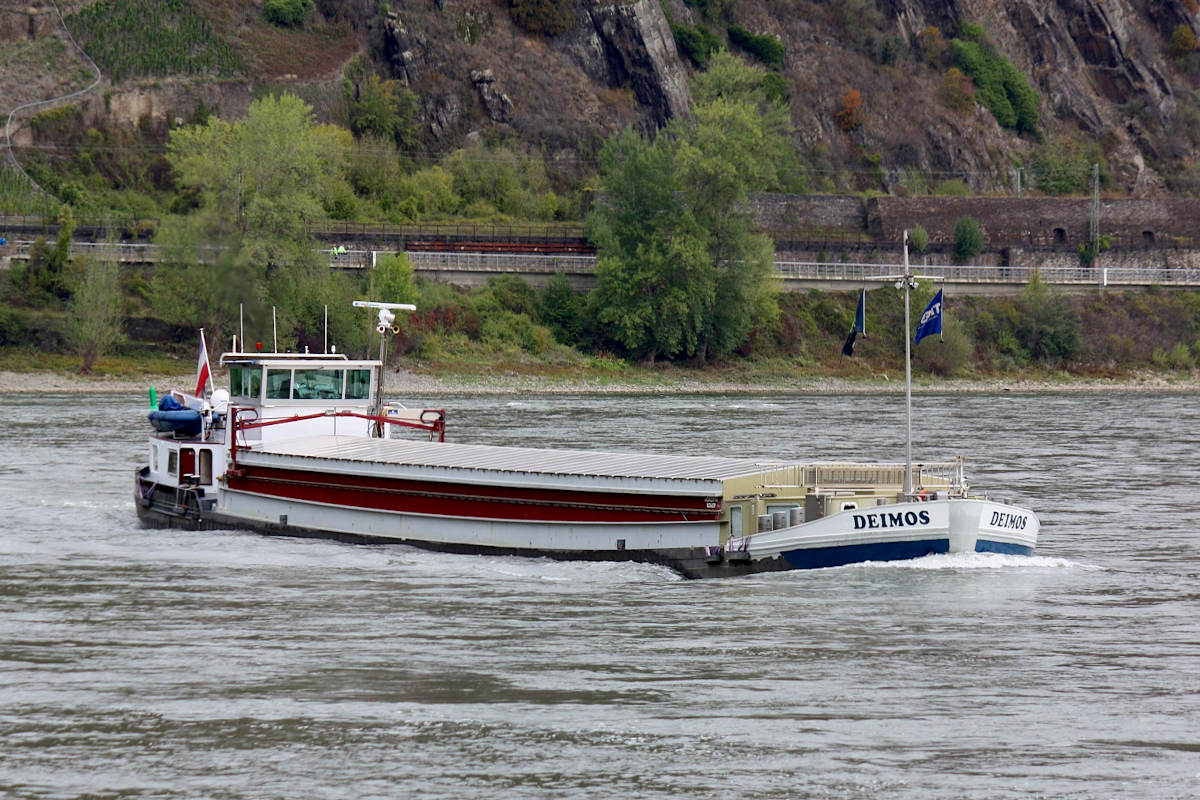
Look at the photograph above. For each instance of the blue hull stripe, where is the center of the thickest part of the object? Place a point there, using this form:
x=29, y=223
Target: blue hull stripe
x=986, y=546
x=818, y=557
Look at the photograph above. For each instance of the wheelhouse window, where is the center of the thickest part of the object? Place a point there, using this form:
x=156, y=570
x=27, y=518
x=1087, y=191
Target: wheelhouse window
x=358, y=384
x=317, y=384
x=279, y=384
x=735, y=521
x=245, y=382
x=173, y=463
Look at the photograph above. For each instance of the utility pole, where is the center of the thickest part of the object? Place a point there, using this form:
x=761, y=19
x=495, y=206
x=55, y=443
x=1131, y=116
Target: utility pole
x=1094, y=212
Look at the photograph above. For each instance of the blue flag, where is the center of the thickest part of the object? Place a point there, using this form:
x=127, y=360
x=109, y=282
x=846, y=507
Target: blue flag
x=860, y=325
x=931, y=320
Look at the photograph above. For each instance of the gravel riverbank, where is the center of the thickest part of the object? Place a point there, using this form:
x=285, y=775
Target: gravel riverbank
x=400, y=384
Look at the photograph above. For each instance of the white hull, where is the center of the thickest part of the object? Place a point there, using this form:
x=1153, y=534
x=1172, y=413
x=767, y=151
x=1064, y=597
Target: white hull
x=890, y=532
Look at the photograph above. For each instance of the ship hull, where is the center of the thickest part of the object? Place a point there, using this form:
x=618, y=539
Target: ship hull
x=690, y=547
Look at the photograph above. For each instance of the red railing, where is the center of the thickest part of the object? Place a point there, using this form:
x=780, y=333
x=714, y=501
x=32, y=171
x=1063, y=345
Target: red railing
x=436, y=426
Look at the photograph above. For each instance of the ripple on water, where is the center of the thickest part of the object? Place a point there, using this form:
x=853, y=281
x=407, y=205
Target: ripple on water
x=224, y=664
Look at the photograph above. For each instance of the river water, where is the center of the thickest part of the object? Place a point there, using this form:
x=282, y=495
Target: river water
x=162, y=664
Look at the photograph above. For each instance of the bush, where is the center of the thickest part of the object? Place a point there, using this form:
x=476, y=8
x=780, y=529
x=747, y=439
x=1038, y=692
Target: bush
x=968, y=238
x=1183, y=41
x=561, y=309
x=1051, y=328
x=949, y=355
x=919, y=238
x=392, y=280
x=850, y=115
x=288, y=13
x=697, y=43
x=958, y=91
x=547, y=17
x=1002, y=88
x=932, y=44
x=767, y=49
x=1063, y=165
x=952, y=187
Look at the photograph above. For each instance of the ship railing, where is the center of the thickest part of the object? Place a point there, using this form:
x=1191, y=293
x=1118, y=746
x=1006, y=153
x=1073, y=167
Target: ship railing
x=432, y=420
x=832, y=476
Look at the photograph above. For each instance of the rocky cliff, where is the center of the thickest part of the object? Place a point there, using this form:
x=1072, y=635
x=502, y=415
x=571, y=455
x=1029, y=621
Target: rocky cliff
x=475, y=71
x=1102, y=68
x=1110, y=74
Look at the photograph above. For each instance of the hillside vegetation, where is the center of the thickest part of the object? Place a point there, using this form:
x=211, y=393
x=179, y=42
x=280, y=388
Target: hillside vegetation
x=238, y=124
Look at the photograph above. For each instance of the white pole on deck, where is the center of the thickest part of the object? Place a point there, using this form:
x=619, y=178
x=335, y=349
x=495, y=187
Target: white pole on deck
x=241, y=324
x=274, y=330
x=326, y=329
x=908, y=282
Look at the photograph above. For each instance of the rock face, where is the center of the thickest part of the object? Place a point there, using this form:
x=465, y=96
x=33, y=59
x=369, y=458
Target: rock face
x=621, y=44
x=404, y=51
x=1091, y=60
x=495, y=102
x=472, y=67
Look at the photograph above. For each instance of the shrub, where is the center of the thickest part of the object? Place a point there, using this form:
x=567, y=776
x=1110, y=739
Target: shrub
x=958, y=91
x=766, y=48
x=1183, y=41
x=547, y=17
x=392, y=280
x=1051, y=328
x=968, y=238
x=288, y=13
x=775, y=88
x=919, y=238
x=1063, y=165
x=561, y=309
x=697, y=43
x=932, y=44
x=850, y=116
x=952, y=187
x=1002, y=88
x=948, y=355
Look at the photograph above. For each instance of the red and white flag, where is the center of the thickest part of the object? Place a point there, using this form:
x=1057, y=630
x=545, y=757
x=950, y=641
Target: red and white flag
x=203, y=370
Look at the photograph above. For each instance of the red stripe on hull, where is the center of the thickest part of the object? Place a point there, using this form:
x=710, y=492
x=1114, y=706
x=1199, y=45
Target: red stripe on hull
x=466, y=500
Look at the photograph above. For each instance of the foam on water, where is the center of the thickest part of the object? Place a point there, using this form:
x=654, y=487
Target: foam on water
x=974, y=561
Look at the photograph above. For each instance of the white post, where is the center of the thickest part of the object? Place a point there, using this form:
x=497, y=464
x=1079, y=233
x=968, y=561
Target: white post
x=326, y=329
x=274, y=329
x=908, y=280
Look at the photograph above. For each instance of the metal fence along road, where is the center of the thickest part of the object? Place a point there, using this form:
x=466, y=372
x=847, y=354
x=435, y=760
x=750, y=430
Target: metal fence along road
x=573, y=264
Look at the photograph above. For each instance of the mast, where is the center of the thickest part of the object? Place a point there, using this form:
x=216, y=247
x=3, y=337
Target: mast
x=908, y=283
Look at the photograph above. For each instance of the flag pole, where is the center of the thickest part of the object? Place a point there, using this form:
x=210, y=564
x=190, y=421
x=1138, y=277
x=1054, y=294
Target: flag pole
x=908, y=281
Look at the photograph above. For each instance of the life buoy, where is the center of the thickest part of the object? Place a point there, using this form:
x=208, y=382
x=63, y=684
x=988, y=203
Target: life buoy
x=923, y=495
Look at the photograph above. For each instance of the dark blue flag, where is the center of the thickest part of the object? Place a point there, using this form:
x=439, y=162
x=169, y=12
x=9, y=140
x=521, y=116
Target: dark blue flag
x=860, y=325
x=931, y=320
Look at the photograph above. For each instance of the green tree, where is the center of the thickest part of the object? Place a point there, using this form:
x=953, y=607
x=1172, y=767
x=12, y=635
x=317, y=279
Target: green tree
x=288, y=13
x=261, y=182
x=1050, y=328
x=392, y=280
x=681, y=272
x=561, y=309
x=381, y=108
x=968, y=238
x=94, y=326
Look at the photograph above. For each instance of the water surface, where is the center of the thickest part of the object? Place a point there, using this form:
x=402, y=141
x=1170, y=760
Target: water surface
x=163, y=664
